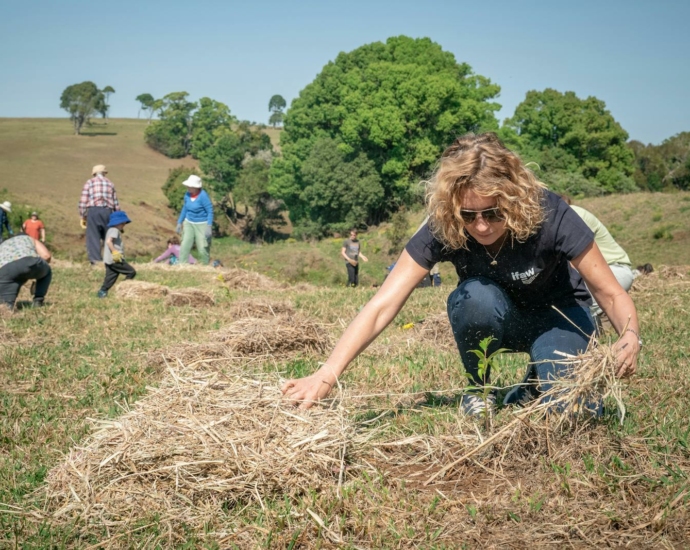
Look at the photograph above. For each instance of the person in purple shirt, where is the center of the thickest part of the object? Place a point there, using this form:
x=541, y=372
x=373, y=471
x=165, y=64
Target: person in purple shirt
x=172, y=253
x=519, y=251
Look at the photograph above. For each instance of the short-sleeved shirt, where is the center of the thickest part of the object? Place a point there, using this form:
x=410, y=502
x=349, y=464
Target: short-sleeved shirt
x=116, y=235
x=351, y=247
x=535, y=274
x=33, y=228
x=16, y=248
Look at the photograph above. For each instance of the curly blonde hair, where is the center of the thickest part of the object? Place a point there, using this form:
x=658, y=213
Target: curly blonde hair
x=481, y=163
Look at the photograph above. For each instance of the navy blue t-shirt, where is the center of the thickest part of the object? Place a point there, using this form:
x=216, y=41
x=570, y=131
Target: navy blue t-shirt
x=535, y=274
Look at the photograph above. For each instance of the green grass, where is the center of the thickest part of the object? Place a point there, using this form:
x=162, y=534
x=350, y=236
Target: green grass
x=82, y=358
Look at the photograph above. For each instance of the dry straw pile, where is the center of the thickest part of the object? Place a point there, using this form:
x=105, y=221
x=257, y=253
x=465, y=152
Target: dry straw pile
x=204, y=439
x=142, y=291
x=241, y=279
x=270, y=338
x=193, y=297
x=139, y=290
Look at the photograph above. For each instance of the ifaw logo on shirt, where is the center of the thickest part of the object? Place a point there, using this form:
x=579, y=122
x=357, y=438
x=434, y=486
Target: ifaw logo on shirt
x=527, y=277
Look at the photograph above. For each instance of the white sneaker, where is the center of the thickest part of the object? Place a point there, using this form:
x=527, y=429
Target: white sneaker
x=473, y=404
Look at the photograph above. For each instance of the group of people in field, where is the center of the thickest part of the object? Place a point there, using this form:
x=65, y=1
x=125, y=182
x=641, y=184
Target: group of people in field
x=105, y=222
x=534, y=272
x=24, y=256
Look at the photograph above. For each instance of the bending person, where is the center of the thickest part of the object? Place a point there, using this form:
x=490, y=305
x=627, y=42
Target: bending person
x=511, y=242
x=195, y=221
x=613, y=253
x=23, y=258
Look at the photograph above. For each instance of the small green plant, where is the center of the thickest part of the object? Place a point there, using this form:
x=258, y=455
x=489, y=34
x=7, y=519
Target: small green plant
x=663, y=232
x=487, y=362
x=657, y=217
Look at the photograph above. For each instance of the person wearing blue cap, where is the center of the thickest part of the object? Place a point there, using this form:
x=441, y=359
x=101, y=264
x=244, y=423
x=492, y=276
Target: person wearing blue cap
x=114, y=253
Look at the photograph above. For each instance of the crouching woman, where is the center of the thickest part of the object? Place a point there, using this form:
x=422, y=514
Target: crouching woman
x=514, y=245
x=23, y=258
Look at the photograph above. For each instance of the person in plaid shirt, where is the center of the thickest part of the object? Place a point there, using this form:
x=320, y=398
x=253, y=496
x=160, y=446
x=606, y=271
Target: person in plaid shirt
x=98, y=200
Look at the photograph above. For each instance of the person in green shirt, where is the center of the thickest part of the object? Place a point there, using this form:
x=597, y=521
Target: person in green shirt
x=613, y=253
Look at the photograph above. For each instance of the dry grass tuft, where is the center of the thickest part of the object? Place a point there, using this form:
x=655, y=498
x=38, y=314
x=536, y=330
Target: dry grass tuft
x=207, y=438
x=192, y=297
x=241, y=279
x=272, y=338
x=261, y=307
x=435, y=330
x=139, y=290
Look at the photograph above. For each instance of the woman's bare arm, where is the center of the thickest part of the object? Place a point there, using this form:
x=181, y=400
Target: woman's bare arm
x=374, y=317
x=615, y=302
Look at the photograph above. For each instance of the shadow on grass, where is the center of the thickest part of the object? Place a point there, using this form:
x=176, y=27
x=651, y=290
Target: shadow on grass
x=429, y=400
x=94, y=134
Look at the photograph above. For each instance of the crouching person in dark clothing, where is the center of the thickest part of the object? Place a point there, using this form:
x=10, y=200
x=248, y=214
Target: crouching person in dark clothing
x=114, y=253
x=23, y=258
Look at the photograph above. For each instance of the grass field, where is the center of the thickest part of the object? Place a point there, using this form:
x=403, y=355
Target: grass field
x=114, y=432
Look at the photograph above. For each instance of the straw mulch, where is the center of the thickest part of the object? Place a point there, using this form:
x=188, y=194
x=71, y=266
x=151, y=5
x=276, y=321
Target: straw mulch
x=192, y=297
x=241, y=279
x=272, y=338
x=206, y=439
x=139, y=290
x=676, y=276
x=435, y=330
x=261, y=308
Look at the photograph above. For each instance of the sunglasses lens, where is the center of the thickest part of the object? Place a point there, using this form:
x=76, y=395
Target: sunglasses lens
x=492, y=215
x=468, y=217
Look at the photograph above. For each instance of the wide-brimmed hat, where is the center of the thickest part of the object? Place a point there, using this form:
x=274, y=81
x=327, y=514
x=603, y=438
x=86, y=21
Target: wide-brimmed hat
x=192, y=181
x=98, y=169
x=118, y=217
x=6, y=206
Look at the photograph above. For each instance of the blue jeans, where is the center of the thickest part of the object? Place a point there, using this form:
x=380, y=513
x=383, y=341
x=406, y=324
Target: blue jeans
x=478, y=308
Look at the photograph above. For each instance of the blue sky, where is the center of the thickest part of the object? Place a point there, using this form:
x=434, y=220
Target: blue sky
x=632, y=54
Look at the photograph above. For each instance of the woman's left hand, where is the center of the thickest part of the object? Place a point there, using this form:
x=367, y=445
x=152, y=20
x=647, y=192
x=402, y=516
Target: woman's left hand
x=627, y=349
x=209, y=231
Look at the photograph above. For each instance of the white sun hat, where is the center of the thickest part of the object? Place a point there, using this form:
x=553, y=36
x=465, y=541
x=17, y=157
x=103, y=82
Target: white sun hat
x=192, y=181
x=6, y=206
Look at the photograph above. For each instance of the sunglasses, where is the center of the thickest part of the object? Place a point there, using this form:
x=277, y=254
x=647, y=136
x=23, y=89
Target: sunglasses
x=490, y=215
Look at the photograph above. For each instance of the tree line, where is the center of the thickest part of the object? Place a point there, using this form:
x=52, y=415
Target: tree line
x=357, y=140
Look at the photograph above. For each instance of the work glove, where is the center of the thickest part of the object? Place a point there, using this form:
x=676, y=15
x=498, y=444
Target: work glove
x=82, y=223
x=117, y=256
x=178, y=229
x=208, y=231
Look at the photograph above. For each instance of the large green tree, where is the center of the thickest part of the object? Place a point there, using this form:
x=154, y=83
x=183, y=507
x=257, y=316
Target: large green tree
x=209, y=121
x=146, y=104
x=396, y=104
x=565, y=134
x=171, y=134
x=665, y=166
x=82, y=101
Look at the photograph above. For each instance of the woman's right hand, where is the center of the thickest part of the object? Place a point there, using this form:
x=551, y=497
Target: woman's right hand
x=304, y=392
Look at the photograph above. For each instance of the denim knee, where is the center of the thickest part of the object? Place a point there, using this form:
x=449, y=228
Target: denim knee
x=477, y=302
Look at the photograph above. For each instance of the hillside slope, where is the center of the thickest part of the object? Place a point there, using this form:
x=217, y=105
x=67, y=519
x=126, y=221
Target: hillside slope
x=44, y=166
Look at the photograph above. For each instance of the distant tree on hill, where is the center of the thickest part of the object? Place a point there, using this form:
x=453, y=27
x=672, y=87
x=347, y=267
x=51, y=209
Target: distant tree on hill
x=106, y=93
x=396, y=105
x=563, y=133
x=82, y=101
x=146, y=104
x=276, y=105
